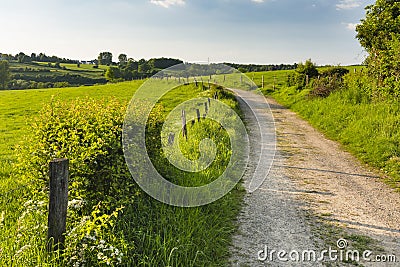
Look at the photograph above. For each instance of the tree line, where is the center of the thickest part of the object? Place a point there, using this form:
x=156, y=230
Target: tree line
x=41, y=57
x=130, y=69
x=258, y=68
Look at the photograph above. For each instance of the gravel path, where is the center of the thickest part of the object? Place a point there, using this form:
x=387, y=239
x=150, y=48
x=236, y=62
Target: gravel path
x=311, y=178
x=271, y=216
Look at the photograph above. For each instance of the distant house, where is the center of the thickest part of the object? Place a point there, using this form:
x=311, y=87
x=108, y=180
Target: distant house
x=90, y=62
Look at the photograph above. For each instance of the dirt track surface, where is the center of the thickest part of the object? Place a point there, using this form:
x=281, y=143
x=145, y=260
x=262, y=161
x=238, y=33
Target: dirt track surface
x=313, y=181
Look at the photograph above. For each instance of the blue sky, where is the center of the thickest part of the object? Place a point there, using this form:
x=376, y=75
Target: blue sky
x=241, y=31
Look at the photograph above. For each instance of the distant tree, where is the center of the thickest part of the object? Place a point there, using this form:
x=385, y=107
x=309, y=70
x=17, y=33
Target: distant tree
x=132, y=65
x=308, y=68
x=4, y=73
x=105, y=58
x=144, y=67
x=163, y=63
x=122, y=59
x=114, y=74
x=21, y=57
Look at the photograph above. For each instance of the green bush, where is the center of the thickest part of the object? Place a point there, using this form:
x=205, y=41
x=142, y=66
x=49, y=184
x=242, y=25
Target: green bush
x=88, y=132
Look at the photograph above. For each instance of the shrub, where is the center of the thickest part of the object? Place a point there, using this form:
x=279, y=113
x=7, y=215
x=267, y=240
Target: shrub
x=334, y=71
x=324, y=86
x=87, y=132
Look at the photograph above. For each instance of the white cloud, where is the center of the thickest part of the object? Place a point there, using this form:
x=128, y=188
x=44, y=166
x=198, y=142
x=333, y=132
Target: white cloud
x=348, y=4
x=168, y=3
x=258, y=1
x=351, y=26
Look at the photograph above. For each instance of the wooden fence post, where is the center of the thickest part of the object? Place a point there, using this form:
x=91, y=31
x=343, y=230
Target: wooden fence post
x=209, y=102
x=184, y=128
x=198, y=114
x=274, y=83
x=58, y=203
x=262, y=81
x=171, y=138
x=205, y=107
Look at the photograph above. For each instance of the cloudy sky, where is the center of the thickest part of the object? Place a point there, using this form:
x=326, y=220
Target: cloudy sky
x=241, y=31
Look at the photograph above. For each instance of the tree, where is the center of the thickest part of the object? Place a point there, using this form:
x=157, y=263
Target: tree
x=122, y=59
x=21, y=57
x=132, y=65
x=4, y=73
x=308, y=68
x=379, y=34
x=105, y=58
x=110, y=75
x=144, y=67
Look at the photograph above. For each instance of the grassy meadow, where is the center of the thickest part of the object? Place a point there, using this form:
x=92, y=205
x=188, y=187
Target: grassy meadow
x=123, y=229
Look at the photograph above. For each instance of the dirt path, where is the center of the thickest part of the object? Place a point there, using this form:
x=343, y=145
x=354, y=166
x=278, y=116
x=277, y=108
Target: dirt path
x=314, y=195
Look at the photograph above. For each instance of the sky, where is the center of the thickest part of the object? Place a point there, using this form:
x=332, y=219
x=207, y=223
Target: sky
x=239, y=31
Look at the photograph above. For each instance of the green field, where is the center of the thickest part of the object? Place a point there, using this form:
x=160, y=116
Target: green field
x=34, y=74
x=148, y=232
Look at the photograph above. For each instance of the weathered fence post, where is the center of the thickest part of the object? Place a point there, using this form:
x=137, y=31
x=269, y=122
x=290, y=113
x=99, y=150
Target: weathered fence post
x=274, y=83
x=58, y=203
x=209, y=102
x=262, y=81
x=205, y=107
x=198, y=114
x=171, y=138
x=184, y=128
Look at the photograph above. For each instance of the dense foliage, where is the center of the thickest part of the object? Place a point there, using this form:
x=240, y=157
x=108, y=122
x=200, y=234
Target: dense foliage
x=4, y=73
x=379, y=34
